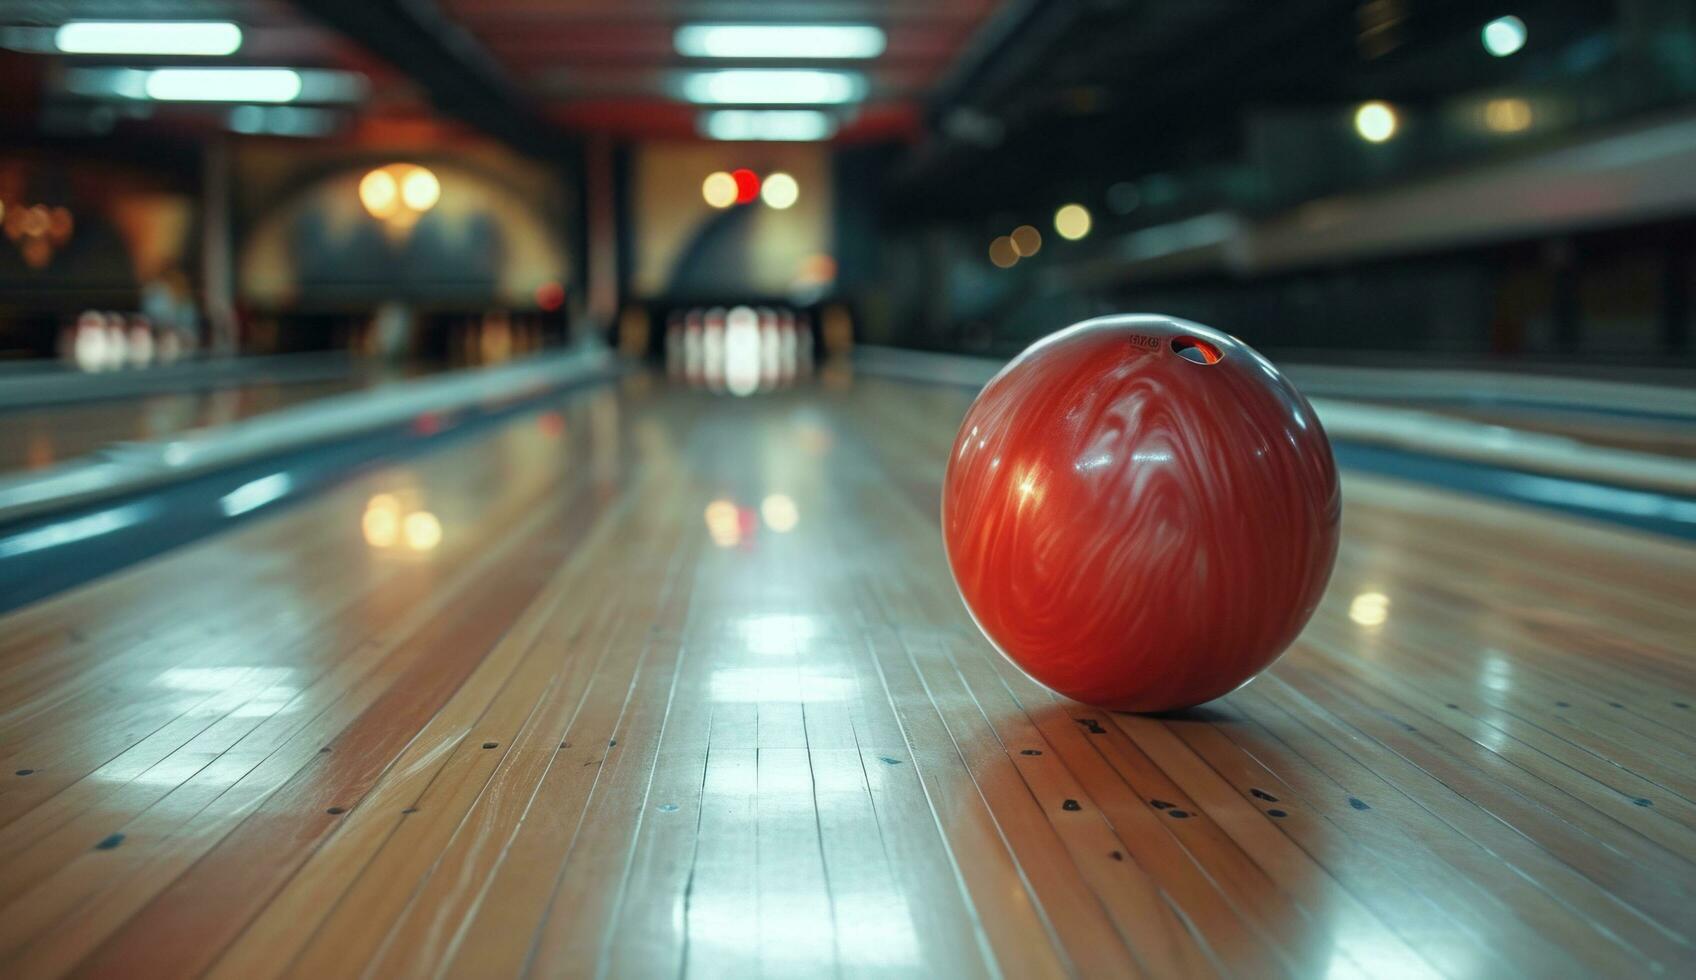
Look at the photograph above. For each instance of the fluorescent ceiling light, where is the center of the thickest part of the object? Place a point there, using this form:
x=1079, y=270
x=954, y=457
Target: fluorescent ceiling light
x=217, y=84
x=773, y=86
x=766, y=124
x=282, y=120
x=223, y=85
x=210, y=38
x=779, y=41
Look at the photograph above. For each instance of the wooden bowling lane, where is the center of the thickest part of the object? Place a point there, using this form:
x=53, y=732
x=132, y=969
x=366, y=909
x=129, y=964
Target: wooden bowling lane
x=682, y=686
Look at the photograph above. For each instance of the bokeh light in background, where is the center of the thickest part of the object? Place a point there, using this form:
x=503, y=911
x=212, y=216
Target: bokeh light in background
x=1370, y=609
x=747, y=185
x=719, y=190
x=780, y=513
x=1507, y=115
x=724, y=523
x=423, y=531
x=379, y=193
x=1002, y=253
x=1027, y=241
x=419, y=189
x=399, y=193
x=1504, y=36
x=1072, y=221
x=780, y=191
x=550, y=296
x=1376, y=121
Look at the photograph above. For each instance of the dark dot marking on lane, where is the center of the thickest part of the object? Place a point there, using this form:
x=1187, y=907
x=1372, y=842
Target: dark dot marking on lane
x=1615, y=704
x=1409, y=727
x=668, y=808
x=109, y=842
x=410, y=809
x=490, y=745
x=611, y=742
x=1160, y=804
x=1071, y=805
x=1452, y=705
x=1276, y=813
x=565, y=745
x=336, y=810
x=889, y=760
x=1681, y=704
x=25, y=772
x=324, y=749
x=1030, y=751
x=1358, y=803
x=1261, y=794
x=1178, y=814
x=1562, y=704
x=1643, y=801
x=1093, y=726
x=1116, y=855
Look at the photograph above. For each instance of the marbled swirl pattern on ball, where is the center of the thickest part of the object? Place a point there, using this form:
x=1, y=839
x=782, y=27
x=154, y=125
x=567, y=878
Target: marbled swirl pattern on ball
x=1136, y=530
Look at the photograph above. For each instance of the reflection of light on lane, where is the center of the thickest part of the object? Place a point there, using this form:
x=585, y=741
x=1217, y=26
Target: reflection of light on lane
x=870, y=930
x=254, y=495
x=724, y=523
x=381, y=528
x=381, y=523
x=1370, y=609
x=76, y=529
x=777, y=634
x=386, y=523
x=1498, y=671
x=780, y=512
x=235, y=692
x=423, y=531
x=752, y=684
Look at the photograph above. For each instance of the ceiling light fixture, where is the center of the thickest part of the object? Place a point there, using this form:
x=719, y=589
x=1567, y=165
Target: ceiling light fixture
x=792, y=41
x=766, y=124
x=207, y=38
x=1504, y=36
x=773, y=86
x=223, y=85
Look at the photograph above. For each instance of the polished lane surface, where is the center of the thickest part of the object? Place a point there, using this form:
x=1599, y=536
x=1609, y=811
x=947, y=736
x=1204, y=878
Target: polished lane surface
x=670, y=682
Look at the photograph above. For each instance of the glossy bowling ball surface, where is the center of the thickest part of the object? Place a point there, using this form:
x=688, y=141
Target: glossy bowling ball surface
x=1141, y=512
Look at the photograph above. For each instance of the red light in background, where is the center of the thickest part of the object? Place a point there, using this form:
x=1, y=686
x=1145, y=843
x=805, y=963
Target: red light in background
x=747, y=185
x=427, y=424
x=552, y=424
x=550, y=296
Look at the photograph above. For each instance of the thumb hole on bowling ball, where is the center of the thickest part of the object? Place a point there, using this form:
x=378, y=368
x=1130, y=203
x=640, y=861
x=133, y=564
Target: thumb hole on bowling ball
x=1192, y=349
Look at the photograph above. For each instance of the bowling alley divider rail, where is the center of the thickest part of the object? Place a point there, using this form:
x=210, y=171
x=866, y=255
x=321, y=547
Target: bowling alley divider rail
x=1642, y=489
x=33, y=386
x=128, y=467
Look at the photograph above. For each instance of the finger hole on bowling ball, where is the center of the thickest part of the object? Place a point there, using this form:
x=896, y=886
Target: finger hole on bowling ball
x=1193, y=349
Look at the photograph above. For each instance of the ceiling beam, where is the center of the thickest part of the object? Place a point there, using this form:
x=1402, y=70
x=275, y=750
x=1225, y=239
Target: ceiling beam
x=459, y=77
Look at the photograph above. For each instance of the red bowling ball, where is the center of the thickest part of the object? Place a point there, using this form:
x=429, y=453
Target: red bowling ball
x=1141, y=512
